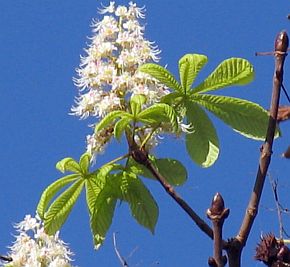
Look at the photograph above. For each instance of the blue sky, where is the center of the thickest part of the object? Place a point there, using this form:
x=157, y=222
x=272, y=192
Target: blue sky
x=41, y=42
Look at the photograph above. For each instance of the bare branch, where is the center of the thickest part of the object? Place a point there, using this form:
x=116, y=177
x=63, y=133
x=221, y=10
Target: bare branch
x=121, y=259
x=281, y=46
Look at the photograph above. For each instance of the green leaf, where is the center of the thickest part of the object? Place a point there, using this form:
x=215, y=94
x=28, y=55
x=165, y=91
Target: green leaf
x=136, y=103
x=189, y=67
x=233, y=71
x=110, y=118
x=172, y=99
x=85, y=163
x=143, y=206
x=244, y=117
x=51, y=190
x=59, y=210
x=202, y=144
x=159, y=113
x=103, y=211
x=96, y=182
x=172, y=170
x=161, y=74
x=68, y=165
x=120, y=127
x=139, y=169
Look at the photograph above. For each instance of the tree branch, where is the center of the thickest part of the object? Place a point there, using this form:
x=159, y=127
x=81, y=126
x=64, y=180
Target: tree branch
x=281, y=46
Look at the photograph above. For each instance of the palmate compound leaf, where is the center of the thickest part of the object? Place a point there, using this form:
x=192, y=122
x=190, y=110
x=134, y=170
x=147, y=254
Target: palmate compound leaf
x=159, y=113
x=51, y=191
x=172, y=170
x=202, y=143
x=189, y=67
x=161, y=74
x=59, y=210
x=143, y=206
x=233, y=71
x=244, y=117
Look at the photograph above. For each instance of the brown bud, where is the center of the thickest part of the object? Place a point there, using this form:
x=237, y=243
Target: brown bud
x=282, y=42
x=217, y=204
x=286, y=154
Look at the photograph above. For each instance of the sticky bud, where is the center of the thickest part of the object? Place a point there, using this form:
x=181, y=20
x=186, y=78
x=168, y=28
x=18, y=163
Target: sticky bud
x=282, y=42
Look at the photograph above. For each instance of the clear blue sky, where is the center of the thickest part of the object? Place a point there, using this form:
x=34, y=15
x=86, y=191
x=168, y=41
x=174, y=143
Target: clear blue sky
x=40, y=46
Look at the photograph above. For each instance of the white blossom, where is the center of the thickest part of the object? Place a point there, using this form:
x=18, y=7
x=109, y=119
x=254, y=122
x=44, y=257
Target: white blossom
x=34, y=248
x=107, y=76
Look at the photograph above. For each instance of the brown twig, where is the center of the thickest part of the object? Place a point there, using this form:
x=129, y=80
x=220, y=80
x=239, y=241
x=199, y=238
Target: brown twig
x=279, y=208
x=281, y=46
x=121, y=259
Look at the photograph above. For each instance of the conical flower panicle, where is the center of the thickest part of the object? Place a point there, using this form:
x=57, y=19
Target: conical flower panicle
x=107, y=75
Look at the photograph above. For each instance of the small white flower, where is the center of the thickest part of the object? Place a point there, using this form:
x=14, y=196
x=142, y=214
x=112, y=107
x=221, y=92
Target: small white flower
x=108, y=9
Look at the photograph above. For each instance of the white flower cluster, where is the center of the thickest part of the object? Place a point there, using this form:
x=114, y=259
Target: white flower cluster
x=34, y=248
x=108, y=74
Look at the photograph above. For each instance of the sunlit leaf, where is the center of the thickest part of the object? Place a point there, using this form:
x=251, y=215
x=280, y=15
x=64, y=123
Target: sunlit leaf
x=159, y=113
x=245, y=117
x=172, y=170
x=202, y=144
x=85, y=162
x=136, y=103
x=68, y=165
x=233, y=71
x=59, y=210
x=143, y=206
x=189, y=67
x=120, y=127
x=96, y=182
x=51, y=191
x=110, y=118
x=161, y=74
x=103, y=211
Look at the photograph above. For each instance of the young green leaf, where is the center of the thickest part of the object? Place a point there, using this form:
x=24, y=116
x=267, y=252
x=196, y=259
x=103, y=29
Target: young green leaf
x=110, y=118
x=161, y=74
x=59, y=210
x=172, y=170
x=143, y=206
x=96, y=182
x=51, y=190
x=233, y=71
x=120, y=127
x=202, y=144
x=136, y=103
x=101, y=218
x=189, y=67
x=85, y=163
x=245, y=117
x=159, y=113
x=68, y=165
